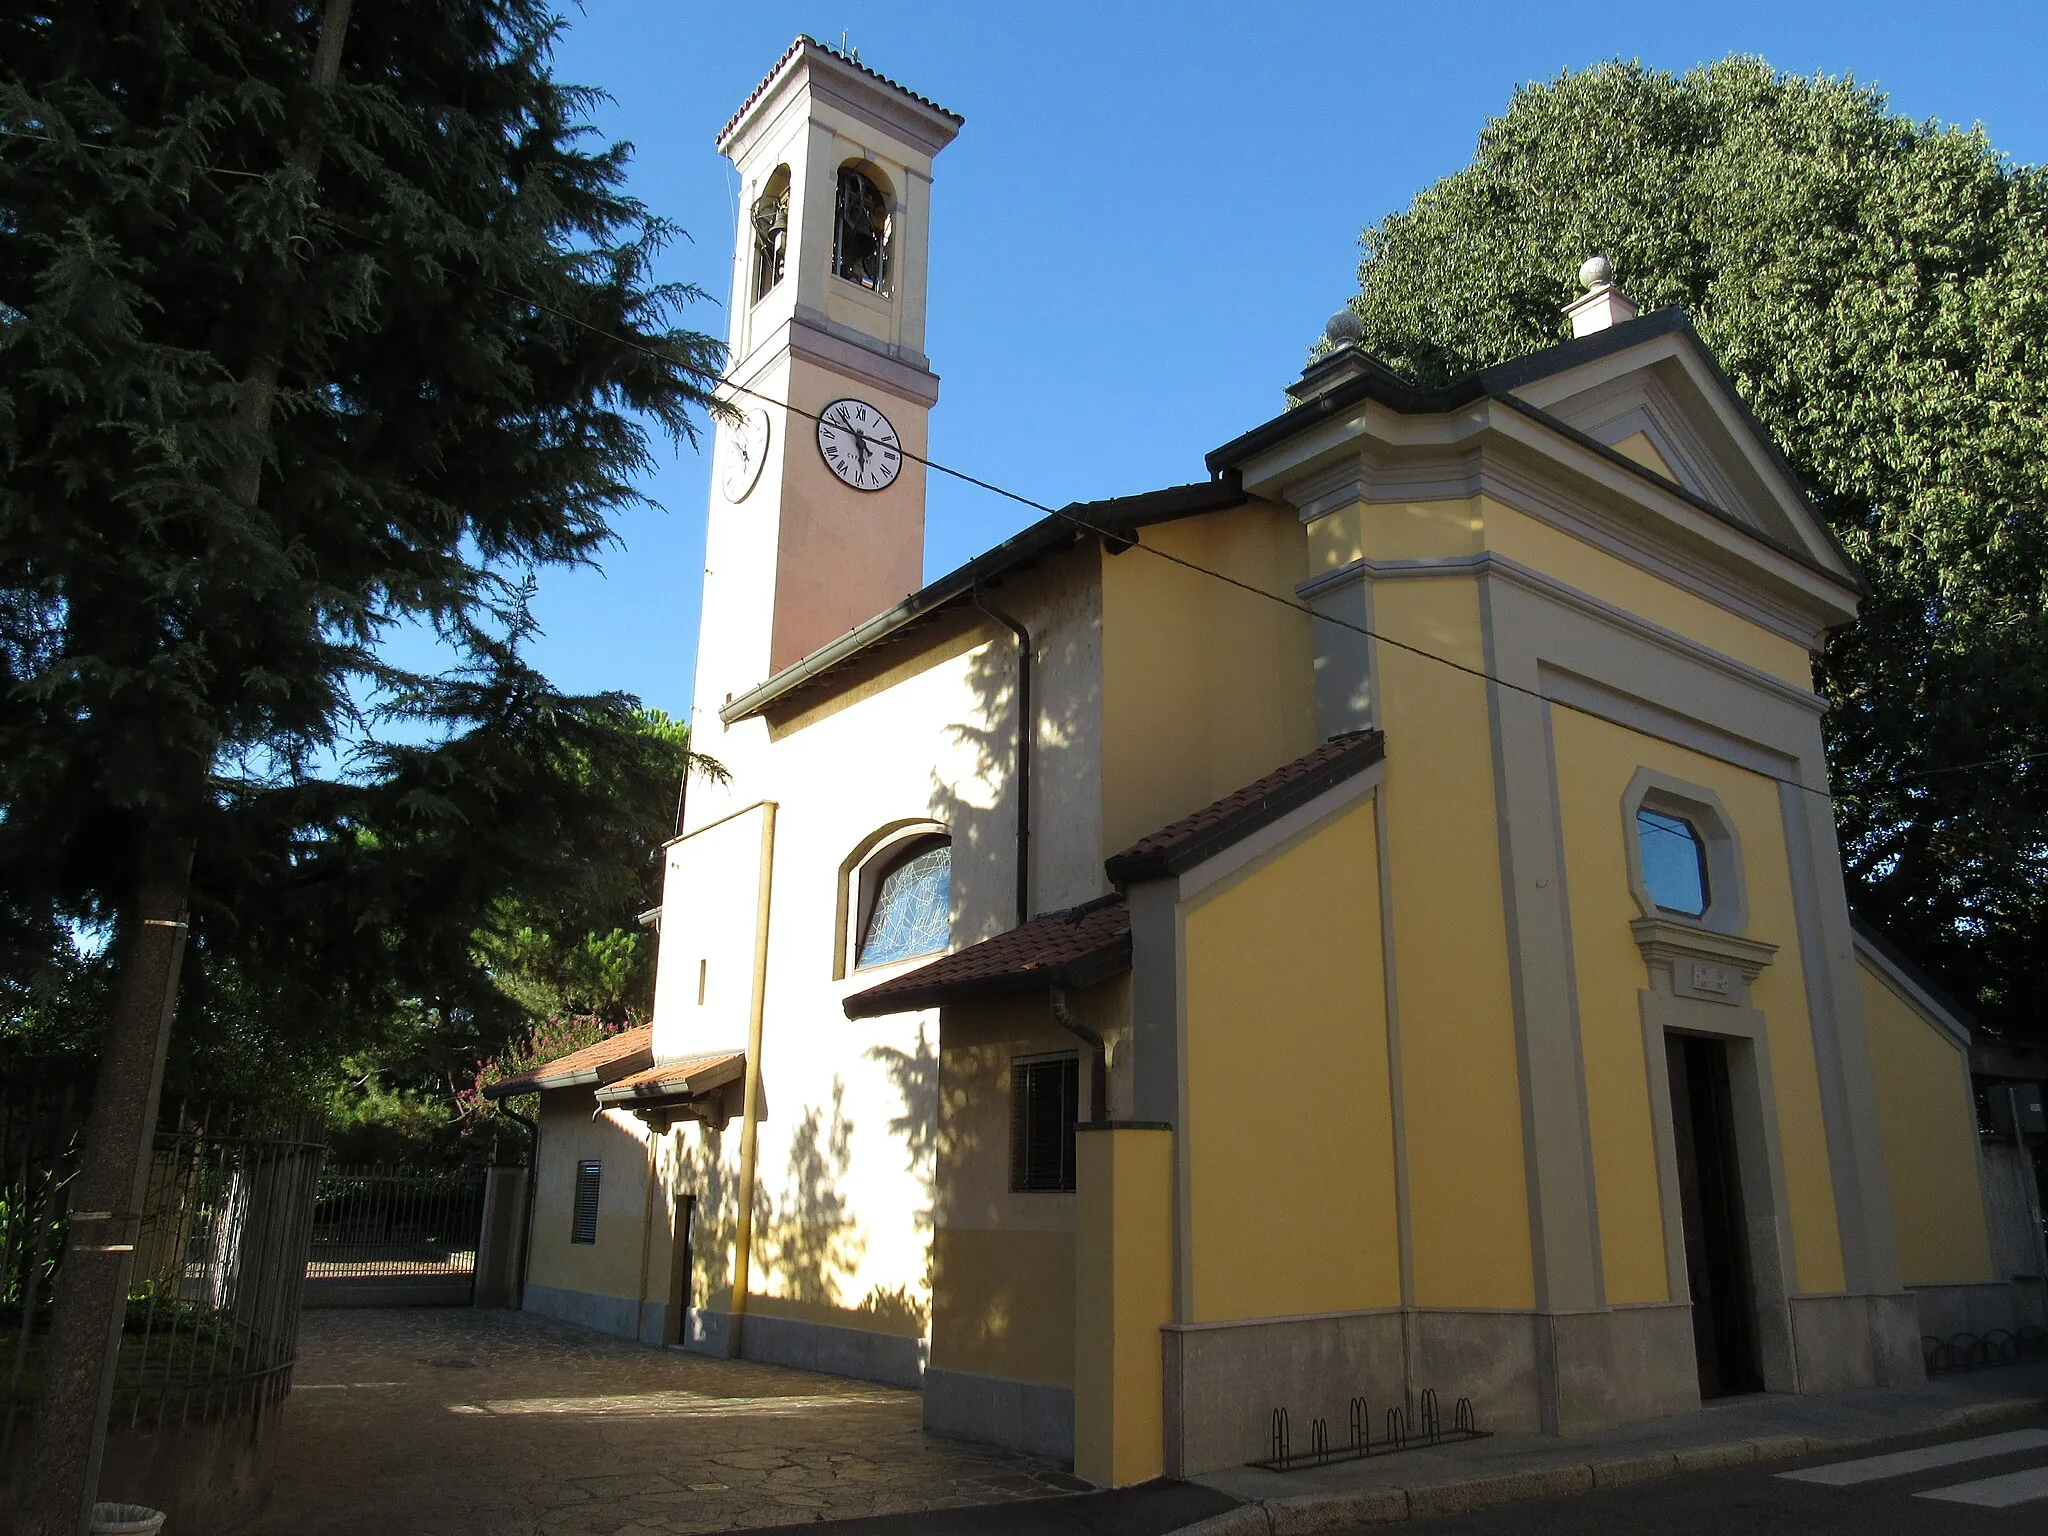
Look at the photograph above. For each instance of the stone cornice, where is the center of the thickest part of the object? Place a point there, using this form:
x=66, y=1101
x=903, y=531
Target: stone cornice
x=1661, y=938
x=1507, y=568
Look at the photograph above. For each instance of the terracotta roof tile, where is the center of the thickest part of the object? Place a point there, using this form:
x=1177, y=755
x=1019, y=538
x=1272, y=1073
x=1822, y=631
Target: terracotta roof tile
x=825, y=48
x=676, y=1079
x=609, y=1059
x=1075, y=948
x=1216, y=826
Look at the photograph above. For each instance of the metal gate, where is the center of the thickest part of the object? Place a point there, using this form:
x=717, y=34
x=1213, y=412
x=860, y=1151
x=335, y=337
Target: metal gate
x=386, y=1238
x=210, y=1332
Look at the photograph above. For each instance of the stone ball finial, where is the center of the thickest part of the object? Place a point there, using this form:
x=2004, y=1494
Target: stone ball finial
x=1342, y=329
x=1594, y=271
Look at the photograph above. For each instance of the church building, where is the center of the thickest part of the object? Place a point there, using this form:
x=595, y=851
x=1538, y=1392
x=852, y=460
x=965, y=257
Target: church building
x=1365, y=920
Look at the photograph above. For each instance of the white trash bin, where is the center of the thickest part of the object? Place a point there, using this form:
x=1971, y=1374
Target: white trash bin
x=126, y=1520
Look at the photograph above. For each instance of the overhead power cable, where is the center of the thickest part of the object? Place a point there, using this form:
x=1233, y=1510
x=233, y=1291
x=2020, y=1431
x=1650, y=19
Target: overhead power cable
x=1130, y=537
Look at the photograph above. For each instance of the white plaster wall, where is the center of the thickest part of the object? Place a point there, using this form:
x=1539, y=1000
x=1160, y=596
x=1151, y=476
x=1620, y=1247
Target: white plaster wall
x=739, y=583
x=814, y=136
x=846, y=1149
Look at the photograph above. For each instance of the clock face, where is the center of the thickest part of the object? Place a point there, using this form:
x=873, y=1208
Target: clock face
x=859, y=445
x=746, y=450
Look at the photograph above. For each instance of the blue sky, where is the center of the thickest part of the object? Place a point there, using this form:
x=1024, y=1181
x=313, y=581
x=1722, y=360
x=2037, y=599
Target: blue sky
x=1148, y=214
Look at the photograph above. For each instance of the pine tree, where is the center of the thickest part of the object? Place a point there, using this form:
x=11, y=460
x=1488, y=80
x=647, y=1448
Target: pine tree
x=316, y=319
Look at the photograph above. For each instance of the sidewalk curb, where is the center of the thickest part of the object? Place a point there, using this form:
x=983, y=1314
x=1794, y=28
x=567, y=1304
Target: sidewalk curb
x=1315, y=1512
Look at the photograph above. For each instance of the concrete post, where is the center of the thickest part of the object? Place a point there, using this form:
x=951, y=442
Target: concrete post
x=497, y=1246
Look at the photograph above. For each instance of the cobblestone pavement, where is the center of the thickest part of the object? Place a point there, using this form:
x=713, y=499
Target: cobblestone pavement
x=472, y=1423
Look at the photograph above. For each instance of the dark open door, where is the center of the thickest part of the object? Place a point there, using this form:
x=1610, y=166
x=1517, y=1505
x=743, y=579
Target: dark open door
x=1710, y=1197
x=677, y=1319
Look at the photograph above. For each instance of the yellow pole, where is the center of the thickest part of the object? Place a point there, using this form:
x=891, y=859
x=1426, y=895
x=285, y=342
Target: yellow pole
x=750, y=1113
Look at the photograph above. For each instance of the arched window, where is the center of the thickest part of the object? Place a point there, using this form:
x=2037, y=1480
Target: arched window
x=1674, y=862
x=771, y=231
x=911, y=912
x=860, y=230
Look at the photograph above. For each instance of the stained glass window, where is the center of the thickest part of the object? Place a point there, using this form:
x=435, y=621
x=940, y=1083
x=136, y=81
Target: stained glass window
x=912, y=912
x=1674, y=862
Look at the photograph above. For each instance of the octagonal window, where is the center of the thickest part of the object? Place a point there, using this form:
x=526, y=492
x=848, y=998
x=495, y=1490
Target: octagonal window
x=1674, y=862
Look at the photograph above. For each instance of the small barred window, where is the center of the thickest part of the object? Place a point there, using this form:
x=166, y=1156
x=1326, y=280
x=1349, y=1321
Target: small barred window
x=583, y=1225
x=1045, y=1101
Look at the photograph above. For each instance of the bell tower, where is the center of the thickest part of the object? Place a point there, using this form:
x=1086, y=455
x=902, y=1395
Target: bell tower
x=814, y=526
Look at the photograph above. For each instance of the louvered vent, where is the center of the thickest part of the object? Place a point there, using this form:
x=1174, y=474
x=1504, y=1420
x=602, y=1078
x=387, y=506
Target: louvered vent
x=1044, y=1103
x=583, y=1229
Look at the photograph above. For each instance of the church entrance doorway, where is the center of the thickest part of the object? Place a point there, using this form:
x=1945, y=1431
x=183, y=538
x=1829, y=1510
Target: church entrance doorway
x=1717, y=1265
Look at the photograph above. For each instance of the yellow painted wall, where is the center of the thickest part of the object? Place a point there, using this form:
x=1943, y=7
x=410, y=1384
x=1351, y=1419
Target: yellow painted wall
x=1595, y=761
x=610, y=1266
x=1204, y=687
x=1002, y=1261
x=1123, y=1284
x=1407, y=530
x=1638, y=446
x=1929, y=1123
x=1441, y=529
x=1290, y=1150
x=1003, y=1302
x=1610, y=975
x=1468, y=1199
x=1594, y=571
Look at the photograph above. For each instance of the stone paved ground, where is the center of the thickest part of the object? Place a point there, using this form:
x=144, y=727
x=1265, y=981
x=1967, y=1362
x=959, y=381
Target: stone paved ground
x=456, y=1422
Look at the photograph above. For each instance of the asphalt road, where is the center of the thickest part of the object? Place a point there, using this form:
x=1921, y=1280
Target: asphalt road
x=1874, y=1491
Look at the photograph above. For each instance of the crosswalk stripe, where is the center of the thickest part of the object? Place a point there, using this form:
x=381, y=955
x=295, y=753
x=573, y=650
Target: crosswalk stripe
x=1900, y=1463
x=1996, y=1492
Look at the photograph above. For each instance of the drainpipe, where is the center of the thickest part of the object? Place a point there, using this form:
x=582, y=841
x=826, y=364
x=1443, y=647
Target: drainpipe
x=1098, y=1061
x=750, y=1113
x=1026, y=725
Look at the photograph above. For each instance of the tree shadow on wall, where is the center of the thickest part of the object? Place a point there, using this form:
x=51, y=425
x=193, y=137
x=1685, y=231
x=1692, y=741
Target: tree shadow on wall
x=805, y=1237
x=981, y=812
x=915, y=1075
x=697, y=1167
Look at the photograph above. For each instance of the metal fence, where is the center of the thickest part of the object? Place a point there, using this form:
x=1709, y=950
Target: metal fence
x=211, y=1330
x=388, y=1237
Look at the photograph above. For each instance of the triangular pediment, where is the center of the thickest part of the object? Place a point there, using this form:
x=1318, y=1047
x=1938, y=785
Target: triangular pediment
x=1653, y=394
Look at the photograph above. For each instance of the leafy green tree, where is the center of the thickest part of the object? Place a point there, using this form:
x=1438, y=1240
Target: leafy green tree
x=1878, y=290
x=316, y=319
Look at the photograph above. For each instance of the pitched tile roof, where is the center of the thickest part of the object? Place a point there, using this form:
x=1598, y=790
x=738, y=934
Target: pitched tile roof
x=683, y=1079
x=1216, y=826
x=848, y=59
x=1074, y=948
x=608, y=1060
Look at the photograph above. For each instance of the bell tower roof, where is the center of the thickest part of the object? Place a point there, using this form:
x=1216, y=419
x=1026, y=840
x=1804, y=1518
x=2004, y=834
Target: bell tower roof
x=853, y=87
